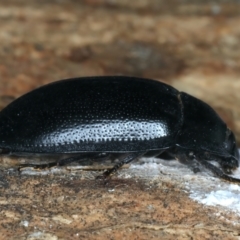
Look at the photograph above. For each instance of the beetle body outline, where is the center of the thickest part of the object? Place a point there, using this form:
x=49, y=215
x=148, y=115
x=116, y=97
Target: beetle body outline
x=118, y=114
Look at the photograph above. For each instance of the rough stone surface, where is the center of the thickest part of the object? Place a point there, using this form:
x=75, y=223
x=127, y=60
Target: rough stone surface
x=192, y=45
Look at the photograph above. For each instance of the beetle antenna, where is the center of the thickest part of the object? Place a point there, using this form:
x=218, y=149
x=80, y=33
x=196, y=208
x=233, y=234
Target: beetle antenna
x=218, y=172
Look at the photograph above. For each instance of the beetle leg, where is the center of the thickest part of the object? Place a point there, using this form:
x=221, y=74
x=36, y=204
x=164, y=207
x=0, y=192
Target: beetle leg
x=67, y=161
x=61, y=162
x=126, y=159
x=153, y=153
x=165, y=156
x=39, y=166
x=218, y=172
x=90, y=156
x=226, y=169
x=188, y=160
x=227, y=164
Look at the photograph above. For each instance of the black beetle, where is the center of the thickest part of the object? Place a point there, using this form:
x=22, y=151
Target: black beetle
x=96, y=116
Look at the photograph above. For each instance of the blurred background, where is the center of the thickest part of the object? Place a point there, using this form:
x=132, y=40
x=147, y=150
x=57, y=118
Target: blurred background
x=192, y=45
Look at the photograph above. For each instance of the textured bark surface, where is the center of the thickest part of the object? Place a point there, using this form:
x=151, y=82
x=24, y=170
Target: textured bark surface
x=193, y=46
x=75, y=205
